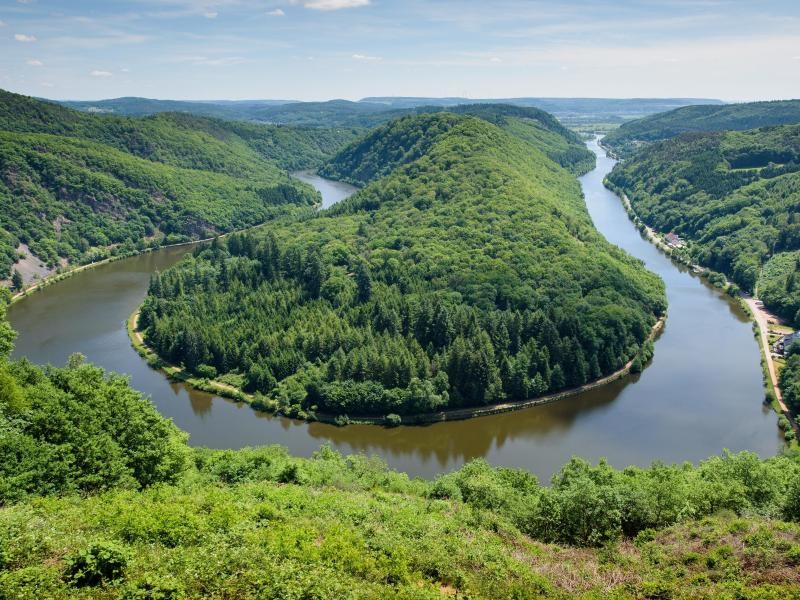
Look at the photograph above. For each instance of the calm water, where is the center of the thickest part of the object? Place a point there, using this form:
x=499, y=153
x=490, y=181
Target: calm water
x=332, y=191
x=702, y=392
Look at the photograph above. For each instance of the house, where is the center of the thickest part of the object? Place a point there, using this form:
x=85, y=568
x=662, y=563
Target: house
x=785, y=342
x=673, y=240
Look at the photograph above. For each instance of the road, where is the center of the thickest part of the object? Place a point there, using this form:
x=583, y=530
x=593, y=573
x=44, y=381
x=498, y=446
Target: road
x=762, y=318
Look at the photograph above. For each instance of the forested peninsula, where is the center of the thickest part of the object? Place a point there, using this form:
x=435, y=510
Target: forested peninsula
x=467, y=272
x=76, y=187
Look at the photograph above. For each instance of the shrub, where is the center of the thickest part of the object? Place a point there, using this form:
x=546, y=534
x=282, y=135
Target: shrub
x=99, y=563
x=392, y=420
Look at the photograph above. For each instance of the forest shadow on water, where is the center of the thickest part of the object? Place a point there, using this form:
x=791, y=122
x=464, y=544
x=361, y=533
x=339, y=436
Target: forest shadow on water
x=701, y=393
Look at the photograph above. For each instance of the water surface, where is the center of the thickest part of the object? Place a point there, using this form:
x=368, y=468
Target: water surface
x=702, y=392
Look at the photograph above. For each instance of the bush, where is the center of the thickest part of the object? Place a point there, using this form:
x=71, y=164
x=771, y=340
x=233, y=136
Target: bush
x=99, y=563
x=206, y=371
x=392, y=420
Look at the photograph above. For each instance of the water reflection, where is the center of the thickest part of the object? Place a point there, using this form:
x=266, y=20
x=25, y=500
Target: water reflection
x=702, y=392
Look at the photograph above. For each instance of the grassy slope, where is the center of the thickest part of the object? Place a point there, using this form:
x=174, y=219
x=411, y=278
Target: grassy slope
x=72, y=184
x=734, y=195
x=632, y=135
x=261, y=524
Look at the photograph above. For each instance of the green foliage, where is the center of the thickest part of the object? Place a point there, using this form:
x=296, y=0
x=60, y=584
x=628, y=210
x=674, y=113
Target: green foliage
x=80, y=187
x=406, y=139
x=632, y=135
x=469, y=275
x=790, y=379
x=734, y=196
x=99, y=563
x=80, y=429
x=260, y=523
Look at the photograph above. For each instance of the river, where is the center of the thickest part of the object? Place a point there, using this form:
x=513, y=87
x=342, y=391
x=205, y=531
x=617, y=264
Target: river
x=701, y=393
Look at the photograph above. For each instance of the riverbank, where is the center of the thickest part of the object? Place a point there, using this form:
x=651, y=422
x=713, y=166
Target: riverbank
x=56, y=277
x=773, y=394
x=225, y=390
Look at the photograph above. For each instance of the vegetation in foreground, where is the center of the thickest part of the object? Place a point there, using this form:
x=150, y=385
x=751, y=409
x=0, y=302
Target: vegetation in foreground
x=101, y=498
x=469, y=275
x=76, y=187
x=637, y=134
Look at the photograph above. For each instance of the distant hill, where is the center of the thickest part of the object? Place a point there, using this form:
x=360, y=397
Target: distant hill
x=735, y=197
x=140, y=107
x=635, y=134
x=75, y=187
x=394, y=144
x=370, y=112
x=557, y=106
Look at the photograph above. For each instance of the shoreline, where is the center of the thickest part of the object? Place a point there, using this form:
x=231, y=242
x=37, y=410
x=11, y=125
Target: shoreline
x=773, y=394
x=56, y=277
x=456, y=414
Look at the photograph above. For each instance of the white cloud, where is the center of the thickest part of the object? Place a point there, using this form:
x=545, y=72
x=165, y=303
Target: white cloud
x=366, y=57
x=125, y=70
x=2, y=24
x=332, y=4
x=211, y=14
x=495, y=59
x=47, y=84
x=21, y=37
x=276, y=13
x=34, y=62
x=97, y=73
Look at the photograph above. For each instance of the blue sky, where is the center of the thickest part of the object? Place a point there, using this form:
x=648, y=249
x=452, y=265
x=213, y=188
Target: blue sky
x=321, y=49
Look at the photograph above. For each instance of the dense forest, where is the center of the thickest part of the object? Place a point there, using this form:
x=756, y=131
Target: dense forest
x=101, y=497
x=387, y=147
x=735, y=196
x=78, y=187
x=633, y=135
x=467, y=275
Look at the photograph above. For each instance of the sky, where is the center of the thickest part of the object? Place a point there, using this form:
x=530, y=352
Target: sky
x=323, y=49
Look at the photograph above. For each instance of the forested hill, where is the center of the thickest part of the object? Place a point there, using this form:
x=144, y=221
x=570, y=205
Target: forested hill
x=406, y=139
x=735, y=196
x=75, y=186
x=468, y=275
x=630, y=136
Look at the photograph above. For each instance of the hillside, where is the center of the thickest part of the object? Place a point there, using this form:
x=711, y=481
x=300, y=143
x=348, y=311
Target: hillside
x=735, y=196
x=632, y=135
x=470, y=274
x=367, y=111
x=142, y=107
x=74, y=187
x=406, y=139
x=100, y=497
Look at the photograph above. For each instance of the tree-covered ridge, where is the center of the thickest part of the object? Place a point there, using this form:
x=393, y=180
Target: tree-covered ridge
x=181, y=139
x=734, y=195
x=405, y=139
x=632, y=135
x=470, y=275
x=77, y=187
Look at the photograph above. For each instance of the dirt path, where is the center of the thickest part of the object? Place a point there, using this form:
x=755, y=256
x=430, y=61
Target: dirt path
x=762, y=318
